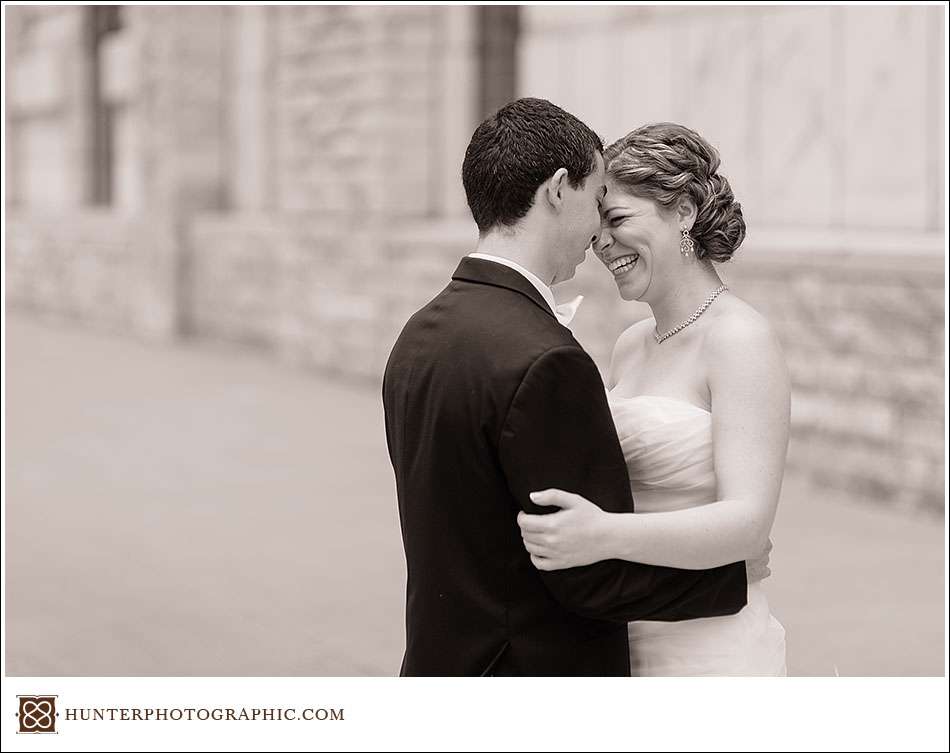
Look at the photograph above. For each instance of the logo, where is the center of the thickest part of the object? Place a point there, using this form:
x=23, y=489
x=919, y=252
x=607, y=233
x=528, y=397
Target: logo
x=37, y=714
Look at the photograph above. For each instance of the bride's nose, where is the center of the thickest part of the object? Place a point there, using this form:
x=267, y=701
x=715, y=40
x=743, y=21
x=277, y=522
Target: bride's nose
x=603, y=242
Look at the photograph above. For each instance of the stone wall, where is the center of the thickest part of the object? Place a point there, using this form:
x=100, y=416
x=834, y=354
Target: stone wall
x=865, y=346
x=317, y=299
x=122, y=265
x=826, y=117
x=93, y=269
x=352, y=228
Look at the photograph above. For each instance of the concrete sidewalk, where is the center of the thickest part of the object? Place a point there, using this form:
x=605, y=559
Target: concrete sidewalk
x=197, y=510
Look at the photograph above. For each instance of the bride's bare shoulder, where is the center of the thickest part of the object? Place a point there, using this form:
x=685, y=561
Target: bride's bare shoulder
x=631, y=341
x=739, y=340
x=737, y=322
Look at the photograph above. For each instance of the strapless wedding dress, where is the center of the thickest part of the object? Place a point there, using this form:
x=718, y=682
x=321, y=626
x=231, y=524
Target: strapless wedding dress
x=667, y=445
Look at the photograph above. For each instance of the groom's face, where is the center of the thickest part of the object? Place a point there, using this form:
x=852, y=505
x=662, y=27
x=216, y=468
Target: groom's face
x=580, y=220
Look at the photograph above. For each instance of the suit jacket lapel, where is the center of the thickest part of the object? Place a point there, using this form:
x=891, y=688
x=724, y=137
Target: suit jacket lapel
x=486, y=272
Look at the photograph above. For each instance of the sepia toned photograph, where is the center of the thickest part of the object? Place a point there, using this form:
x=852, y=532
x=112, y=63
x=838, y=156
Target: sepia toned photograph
x=460, y=340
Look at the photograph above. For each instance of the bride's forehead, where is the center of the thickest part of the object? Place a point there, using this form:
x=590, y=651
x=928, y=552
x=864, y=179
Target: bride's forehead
x=612, y=196
x=613, y=192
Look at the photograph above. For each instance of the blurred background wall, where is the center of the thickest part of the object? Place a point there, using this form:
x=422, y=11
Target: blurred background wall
x=288, y=177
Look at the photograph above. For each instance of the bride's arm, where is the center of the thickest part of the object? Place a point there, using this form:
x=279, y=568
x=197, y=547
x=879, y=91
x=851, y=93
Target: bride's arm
x=749, y=386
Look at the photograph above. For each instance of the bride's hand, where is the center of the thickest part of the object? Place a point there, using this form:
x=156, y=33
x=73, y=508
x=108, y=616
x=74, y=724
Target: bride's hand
x=571, y=537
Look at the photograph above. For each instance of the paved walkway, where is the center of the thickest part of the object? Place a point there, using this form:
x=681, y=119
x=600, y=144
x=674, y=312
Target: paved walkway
x=199, y=510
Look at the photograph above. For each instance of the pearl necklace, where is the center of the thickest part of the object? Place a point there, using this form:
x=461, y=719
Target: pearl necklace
x=696, y=314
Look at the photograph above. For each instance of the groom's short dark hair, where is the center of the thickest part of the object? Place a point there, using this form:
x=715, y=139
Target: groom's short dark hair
x=518, y=148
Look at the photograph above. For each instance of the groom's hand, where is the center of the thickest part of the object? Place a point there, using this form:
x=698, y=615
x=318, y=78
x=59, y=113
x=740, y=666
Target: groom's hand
x=758, y=569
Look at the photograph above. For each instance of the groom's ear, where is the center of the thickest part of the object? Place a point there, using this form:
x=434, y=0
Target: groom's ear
x=555, y=187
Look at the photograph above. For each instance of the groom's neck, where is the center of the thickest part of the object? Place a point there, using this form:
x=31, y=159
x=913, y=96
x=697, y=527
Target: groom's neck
x=520, y=248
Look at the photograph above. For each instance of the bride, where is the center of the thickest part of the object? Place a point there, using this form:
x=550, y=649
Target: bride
x=700, y=398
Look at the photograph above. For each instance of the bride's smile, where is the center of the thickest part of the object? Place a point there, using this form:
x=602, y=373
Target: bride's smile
x=623, y=264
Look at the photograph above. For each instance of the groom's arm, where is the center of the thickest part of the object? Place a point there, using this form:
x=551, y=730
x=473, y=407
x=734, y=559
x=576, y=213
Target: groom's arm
x=559, y=433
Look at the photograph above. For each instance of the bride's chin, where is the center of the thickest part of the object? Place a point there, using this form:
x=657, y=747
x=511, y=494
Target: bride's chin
x=630, y=292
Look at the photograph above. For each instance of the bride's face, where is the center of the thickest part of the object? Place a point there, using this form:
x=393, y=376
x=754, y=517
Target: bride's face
x=638, y=243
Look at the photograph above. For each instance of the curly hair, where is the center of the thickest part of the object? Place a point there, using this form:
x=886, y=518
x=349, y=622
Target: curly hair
x=665, y=162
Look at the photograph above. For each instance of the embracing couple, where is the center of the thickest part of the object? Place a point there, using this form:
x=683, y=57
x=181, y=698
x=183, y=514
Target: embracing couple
x=554, y=525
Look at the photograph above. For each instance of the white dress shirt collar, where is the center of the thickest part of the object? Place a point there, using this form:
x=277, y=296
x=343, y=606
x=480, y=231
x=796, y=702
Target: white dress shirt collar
x=564, y=313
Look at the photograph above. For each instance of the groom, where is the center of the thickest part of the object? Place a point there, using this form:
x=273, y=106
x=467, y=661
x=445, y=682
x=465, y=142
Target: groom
x=488, y=397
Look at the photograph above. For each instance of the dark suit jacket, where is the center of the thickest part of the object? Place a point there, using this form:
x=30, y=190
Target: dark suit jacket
x=487, y=398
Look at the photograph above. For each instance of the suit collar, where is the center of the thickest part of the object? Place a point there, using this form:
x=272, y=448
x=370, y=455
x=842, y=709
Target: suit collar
x=486, y=272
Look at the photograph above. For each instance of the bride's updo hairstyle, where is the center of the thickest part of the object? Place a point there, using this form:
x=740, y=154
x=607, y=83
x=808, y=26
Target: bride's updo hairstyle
x=666, y=161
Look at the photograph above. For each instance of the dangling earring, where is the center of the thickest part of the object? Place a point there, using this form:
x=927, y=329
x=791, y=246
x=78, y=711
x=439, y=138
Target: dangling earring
x=686, y=244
